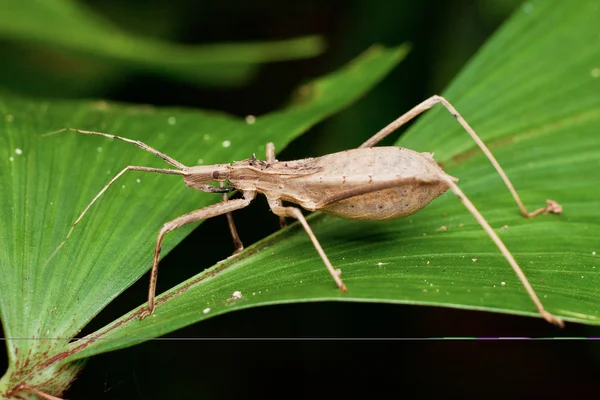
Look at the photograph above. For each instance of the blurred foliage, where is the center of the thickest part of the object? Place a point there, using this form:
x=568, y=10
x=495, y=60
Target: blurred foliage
x=68, y=33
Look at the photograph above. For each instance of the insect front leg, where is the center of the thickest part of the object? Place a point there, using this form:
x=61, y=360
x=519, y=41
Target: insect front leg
x=237, y=242
x=294, y=212
x=194, y=216
x=551, y=205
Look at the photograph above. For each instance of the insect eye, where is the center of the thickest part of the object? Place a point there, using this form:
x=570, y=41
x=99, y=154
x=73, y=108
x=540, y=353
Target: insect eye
x=215, y=174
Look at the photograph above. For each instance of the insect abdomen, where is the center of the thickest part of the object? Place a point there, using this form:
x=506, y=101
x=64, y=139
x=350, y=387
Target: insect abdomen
x=392, y=203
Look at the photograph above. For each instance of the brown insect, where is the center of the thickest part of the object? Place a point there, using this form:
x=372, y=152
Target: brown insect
x=369, y=183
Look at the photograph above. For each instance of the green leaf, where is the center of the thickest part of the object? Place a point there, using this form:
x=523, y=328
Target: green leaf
x=69, y=25
x=532, y=94
x=47, y=180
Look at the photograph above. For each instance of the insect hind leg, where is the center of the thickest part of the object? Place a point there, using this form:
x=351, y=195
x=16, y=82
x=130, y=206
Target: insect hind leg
x=551, y=205
x=504, y=250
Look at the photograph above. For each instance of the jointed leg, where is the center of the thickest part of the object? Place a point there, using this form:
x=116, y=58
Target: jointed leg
x=237, y=242
x=505, y=252
x=194, y=216
x=484, y=224
x=293, y=212
x=551, y=206
x=271, y=159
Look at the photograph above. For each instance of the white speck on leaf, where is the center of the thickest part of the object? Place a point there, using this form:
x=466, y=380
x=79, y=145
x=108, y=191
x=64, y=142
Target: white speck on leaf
x=206, y=136
x=171, y=120
x=595, y=72
x=236, y=295
x=502, y=283
x=18, y=151
x=250, y=119
x=200, y=161
x=138, y=180
x=11, y=158
x=206, y=310
x=226, y=143
x=474, y=260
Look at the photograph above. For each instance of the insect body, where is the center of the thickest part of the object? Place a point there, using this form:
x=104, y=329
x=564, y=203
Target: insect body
x=349, y=180
x=369, y=183
x=348, y=184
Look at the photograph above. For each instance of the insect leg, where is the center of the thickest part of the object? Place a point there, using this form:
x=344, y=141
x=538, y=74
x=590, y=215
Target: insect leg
x=294, y=212
x=505, y=252
x=473, y=210
x=551, y=205
x=198, y=215
x=237, y=242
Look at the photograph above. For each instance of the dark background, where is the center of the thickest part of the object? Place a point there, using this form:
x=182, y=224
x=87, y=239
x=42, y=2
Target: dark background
x=444, y=35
